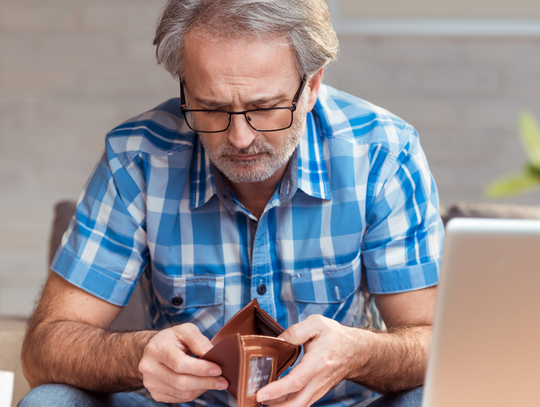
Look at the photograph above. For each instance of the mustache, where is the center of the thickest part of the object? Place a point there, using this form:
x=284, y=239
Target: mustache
x=256, y=147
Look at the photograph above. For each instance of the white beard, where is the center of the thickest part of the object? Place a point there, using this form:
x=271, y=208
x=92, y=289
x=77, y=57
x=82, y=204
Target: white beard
x=269, y=160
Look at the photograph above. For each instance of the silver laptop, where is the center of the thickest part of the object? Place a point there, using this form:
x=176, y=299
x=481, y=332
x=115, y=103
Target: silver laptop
x=485, y=348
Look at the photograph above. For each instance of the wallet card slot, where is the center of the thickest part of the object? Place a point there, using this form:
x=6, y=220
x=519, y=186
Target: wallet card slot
x=266, y=330
x=265, y=325
x=244, y=323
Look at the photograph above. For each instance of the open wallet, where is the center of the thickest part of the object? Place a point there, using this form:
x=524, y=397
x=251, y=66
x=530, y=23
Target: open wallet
x=250, y=354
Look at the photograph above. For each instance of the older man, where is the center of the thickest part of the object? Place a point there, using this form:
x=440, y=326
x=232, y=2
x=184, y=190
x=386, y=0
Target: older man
x=259, y=182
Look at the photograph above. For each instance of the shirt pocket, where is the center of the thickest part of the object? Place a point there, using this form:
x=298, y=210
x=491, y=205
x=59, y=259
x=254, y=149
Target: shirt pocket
x=332, y=291
x=195, y=299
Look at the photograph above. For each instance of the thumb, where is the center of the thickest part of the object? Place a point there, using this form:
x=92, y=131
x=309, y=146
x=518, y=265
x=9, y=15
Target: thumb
x=313, y=326
x=297, y=334
x=191, y=336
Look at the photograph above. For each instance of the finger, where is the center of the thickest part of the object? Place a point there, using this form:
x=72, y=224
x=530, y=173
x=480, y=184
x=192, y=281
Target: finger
x=302, y=332
x=192, y=337
x=159, y=379
x=166, y=394
x=283, y=387
x=276, y=401
x=309, y=395
x=169, y=354
x=294, y=382
x=189, y=382
x=179, y=362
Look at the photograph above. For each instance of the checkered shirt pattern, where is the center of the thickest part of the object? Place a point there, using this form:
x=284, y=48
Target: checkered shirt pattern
x=356, y=209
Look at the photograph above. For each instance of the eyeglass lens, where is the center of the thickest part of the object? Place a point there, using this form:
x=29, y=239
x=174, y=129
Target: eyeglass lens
x=261, y=120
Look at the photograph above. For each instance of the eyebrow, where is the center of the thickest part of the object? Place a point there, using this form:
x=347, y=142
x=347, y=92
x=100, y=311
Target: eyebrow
x=260, y=101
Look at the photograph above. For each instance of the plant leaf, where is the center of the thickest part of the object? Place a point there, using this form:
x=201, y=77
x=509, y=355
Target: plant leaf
x=530, y=137
x=512, y=185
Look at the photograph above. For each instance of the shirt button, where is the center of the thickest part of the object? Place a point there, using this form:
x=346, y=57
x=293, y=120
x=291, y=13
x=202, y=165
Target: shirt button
x=261, y=289
x=177, y=301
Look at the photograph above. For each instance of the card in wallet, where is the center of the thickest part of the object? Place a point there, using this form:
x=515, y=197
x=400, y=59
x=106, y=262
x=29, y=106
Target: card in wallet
x=250, y=354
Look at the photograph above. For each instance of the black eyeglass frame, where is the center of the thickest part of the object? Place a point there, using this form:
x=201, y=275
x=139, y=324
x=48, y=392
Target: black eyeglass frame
x=245, y=112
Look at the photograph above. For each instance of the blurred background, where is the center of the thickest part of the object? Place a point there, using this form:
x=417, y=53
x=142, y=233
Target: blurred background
x=70, y=70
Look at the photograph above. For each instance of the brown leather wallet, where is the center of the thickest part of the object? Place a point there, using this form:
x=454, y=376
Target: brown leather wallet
x=250, y=354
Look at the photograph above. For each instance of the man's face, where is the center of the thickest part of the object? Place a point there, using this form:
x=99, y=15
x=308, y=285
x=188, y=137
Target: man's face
x=237, y=75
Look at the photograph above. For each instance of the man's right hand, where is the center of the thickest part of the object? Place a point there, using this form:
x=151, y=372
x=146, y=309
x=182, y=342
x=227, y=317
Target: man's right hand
x=170, y=374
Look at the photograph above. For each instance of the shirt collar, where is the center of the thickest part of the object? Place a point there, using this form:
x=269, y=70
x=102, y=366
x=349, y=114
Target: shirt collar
x=202, y=177
x=313, y=176
x=306, y=171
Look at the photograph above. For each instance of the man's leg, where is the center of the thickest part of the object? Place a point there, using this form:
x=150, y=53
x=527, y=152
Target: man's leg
x=63, y=395
x=410, y=398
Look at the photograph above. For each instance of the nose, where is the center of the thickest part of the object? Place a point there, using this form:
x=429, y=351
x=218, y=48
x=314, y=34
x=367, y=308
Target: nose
x=241, y=135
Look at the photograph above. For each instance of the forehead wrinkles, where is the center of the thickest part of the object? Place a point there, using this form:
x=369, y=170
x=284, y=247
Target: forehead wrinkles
x=200, y=37
x=243, y=71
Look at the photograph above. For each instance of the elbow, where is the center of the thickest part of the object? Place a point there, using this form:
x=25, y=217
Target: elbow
x=27, y=372
x=29, y=363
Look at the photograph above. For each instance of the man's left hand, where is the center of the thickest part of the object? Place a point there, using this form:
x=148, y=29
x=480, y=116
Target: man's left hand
x=331, y=352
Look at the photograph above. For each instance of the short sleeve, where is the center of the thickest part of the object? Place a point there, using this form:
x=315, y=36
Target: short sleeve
x=104, y=250
x=403, y=242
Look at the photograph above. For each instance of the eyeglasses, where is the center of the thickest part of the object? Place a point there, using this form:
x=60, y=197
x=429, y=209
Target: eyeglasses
x=217, y=121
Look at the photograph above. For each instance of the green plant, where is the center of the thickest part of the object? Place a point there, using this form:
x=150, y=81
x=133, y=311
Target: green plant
x=530, y=176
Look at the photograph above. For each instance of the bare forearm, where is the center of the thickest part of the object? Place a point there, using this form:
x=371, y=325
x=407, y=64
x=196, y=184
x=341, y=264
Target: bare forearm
x=84, y=356
x=394, y=360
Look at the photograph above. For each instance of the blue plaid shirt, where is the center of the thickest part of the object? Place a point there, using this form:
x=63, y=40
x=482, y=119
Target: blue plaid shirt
x=357, y=209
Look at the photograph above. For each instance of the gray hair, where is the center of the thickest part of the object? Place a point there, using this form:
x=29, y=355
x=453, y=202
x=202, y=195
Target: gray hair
x=304, y=23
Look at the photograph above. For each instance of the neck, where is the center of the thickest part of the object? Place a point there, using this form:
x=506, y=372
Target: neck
x=255, y=195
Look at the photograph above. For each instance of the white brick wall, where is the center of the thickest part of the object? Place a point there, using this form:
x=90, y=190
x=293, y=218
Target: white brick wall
x=70, y=70
x=462, y=94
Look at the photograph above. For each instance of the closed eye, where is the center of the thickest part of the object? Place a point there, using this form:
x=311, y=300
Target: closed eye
x=263, y=107
x=263, y=104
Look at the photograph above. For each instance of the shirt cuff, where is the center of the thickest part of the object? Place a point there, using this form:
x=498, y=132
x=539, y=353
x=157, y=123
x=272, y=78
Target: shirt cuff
x=403, y=279
x=91, y=280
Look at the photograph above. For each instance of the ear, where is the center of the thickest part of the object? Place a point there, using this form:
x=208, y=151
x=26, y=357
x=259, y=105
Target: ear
x=314, y=85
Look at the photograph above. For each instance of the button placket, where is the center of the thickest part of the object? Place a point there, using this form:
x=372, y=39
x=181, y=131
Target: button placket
x=261, y=269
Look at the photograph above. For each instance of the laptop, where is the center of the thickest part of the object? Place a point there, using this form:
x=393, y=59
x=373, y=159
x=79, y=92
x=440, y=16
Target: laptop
x=485, y=349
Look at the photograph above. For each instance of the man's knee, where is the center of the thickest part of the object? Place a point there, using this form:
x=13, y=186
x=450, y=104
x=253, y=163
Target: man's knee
x=58, y=395
x=409, y=398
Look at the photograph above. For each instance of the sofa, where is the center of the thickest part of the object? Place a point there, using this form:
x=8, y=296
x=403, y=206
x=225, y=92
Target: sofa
x=12, y=329
x=131, y=317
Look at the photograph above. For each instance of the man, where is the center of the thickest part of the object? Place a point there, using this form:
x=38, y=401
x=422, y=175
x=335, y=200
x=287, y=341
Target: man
x=258, y=183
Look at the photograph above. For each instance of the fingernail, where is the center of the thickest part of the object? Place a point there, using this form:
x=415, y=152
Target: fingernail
x=215, y=372
x=221, y=385
x=262, y=397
